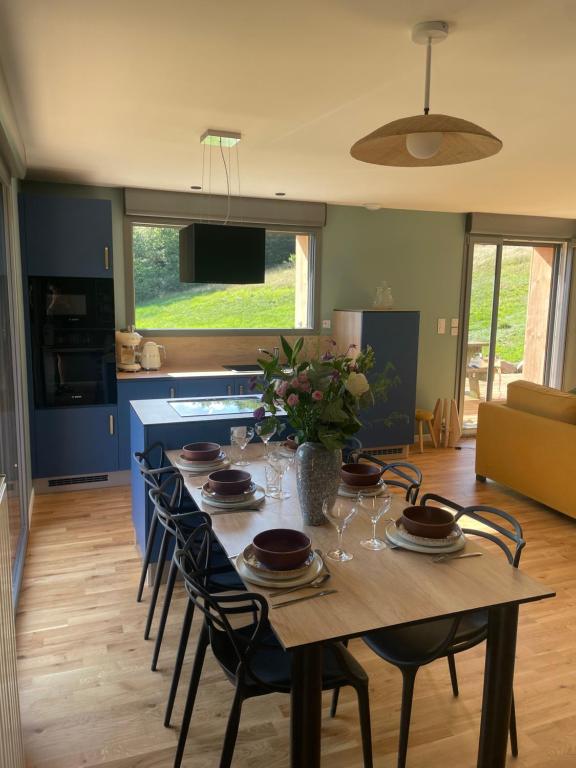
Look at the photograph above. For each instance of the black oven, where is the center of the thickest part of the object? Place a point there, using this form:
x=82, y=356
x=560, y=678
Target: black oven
x=72, y=335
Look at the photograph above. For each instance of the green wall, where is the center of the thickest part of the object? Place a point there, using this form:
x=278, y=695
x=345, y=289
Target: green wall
x=420, y=255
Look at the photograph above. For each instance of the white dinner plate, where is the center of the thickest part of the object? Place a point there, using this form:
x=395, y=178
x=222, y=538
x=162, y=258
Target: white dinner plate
x=201, y=469
x=396, y=538
x=252, y=501
x=425, y=542
x=255, y=578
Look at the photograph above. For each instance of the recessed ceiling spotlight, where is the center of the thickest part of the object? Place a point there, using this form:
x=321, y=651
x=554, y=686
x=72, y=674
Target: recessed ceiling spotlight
x=196, y=187
x=280, y=194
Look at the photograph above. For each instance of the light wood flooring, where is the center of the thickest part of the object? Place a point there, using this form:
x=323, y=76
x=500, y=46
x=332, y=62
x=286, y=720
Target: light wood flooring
x=89, y=698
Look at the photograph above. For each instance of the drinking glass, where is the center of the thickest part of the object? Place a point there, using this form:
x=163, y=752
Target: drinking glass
x=280, y=462
x=265, y=432
x=374, y=507
x=273, y=481
x=240, y=437
x=340, y=514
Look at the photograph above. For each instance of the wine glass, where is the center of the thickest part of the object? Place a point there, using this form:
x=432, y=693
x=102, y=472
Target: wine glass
x=374, y=507
x=265, y=432
x=280, y=462
x=241, y=436
x=340, y=514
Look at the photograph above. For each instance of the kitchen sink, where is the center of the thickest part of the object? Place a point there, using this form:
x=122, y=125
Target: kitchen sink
x=243, y=367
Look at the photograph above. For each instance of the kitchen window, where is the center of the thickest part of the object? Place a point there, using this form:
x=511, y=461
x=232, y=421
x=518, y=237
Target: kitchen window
x=158, y=301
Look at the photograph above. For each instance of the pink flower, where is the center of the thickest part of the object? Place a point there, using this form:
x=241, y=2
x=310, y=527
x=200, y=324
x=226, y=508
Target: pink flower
x=305, y=386
x=317, y=395
x=281, y=389
x=295, y=384
x=293, y=400
x=303, y=377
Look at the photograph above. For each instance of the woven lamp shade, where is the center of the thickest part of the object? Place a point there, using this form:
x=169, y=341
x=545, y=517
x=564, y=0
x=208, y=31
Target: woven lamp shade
x=462, y=142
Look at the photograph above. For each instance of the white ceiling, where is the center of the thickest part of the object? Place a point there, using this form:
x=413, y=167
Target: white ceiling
x=117, y=92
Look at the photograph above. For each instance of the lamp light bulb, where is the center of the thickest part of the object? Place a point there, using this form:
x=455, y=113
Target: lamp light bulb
x=424, y=145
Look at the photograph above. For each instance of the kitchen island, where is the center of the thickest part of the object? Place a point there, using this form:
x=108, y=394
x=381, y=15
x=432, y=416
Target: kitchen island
x=175, y=422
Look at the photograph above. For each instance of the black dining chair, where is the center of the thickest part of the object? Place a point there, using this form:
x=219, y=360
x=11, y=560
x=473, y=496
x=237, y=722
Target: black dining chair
x=250, y=656
x=178, y=524
x=410, y=648
x=153, y=465
x=397, y=474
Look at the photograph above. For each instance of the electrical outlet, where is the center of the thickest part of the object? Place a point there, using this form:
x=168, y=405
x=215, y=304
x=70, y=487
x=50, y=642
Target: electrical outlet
x=326, y=324
x=441, y=325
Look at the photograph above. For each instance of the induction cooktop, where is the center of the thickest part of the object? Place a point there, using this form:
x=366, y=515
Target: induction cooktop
x=215, y=406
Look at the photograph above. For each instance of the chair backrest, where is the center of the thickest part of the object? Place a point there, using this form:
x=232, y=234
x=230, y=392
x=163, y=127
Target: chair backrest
x=434, y=500
x=399, y=474
x=153, y=465
x=510, y=540
x=231, y=645
x=166, y=499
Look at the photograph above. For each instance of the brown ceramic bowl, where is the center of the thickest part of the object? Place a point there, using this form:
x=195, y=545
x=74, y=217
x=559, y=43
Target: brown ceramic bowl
x=360, y=474
x=201, y=451
x=429, y=522
x=229, y=482
x=281, y=549
x=292, y=442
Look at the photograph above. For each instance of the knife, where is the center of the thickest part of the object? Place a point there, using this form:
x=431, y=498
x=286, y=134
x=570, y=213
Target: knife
x=306, y=597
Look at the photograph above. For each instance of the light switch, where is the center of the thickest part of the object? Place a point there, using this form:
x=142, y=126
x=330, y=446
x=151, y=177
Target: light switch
x=441, y=325
x=326, y=324
x=454, y=326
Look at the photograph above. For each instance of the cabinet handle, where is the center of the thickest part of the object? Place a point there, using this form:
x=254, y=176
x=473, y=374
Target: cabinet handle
x=241, y=389
x=229, y=389
x=172, y=392
x=106, y=258
x=111, y=424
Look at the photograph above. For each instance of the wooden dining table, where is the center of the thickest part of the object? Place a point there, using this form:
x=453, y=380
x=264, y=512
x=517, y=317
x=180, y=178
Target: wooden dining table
x=378, y=590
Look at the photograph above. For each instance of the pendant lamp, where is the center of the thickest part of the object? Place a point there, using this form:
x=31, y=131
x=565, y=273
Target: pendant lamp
x=428, y=139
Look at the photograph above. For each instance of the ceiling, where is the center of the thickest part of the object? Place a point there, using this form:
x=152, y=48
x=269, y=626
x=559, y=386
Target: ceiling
x=118, y=92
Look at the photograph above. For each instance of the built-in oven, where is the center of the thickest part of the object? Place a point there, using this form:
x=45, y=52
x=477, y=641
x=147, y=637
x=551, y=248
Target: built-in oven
x=72, y=341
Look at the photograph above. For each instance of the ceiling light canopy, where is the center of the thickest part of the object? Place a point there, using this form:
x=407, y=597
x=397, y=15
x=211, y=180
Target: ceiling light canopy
x=214, y=138
x=426, y=140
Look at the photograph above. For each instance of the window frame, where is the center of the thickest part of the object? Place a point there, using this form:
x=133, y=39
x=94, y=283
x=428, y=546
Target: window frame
x=313, y=282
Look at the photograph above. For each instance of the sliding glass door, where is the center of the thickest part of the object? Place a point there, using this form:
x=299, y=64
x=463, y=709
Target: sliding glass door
x=514, y=319
x=10, y=465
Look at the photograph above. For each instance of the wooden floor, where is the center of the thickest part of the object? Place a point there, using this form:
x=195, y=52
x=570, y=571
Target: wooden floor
x=89, y=698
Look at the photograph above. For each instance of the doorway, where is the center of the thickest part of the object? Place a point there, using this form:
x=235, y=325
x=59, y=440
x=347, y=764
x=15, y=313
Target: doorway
x=513, y=319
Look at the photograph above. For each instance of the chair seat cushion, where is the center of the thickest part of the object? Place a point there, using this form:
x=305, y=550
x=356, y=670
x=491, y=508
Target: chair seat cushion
x=409, y=645
x=271, y=664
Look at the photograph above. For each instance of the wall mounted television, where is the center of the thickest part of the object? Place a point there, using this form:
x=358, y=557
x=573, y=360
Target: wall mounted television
x=222, y=253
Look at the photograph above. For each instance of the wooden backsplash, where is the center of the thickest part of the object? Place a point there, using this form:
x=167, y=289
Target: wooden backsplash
x=208, y=352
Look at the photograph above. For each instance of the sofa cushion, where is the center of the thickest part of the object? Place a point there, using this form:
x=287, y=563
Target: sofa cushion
x=542, y=401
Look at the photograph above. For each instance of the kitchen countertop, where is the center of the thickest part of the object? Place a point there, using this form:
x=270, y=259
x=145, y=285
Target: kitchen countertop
x=168, y=372
x=154, y=412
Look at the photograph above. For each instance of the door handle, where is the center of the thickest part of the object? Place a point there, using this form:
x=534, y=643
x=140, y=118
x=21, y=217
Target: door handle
x=229, y=389
x=111, y=424
x=241, y=389
x=106, y=258
x=172, y=392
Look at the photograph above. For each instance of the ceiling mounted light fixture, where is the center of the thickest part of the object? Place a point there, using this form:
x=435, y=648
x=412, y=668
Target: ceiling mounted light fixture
x=426, y=140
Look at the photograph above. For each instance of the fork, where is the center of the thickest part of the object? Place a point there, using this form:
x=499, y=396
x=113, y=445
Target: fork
x=444, y=558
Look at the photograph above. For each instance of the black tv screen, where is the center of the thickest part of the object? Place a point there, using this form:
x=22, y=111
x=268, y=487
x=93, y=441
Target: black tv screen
x=220, y=253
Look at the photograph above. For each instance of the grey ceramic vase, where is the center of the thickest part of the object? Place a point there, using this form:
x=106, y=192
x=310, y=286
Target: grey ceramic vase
x=317, y=479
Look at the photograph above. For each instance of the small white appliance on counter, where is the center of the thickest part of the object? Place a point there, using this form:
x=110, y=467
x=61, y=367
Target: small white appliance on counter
x=127, y=350
x=151, y=356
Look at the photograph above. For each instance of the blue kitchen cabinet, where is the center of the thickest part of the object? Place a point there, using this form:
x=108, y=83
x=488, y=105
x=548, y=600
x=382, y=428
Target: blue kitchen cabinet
x=216, y=385
x=75, y=441
x=393, y=334
x=66, y=237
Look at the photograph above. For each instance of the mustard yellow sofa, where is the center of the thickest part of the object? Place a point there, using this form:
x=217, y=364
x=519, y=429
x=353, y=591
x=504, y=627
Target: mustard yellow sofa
x=529, y=444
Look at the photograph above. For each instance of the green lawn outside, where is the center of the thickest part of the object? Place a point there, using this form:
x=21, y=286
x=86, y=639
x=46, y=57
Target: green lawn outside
x=221, y=306
x=514, y=284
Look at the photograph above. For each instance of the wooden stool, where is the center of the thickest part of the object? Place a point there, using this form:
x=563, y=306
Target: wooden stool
x=425, y=417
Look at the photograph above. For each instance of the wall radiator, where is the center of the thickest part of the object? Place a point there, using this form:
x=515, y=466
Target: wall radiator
x=11, y=744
